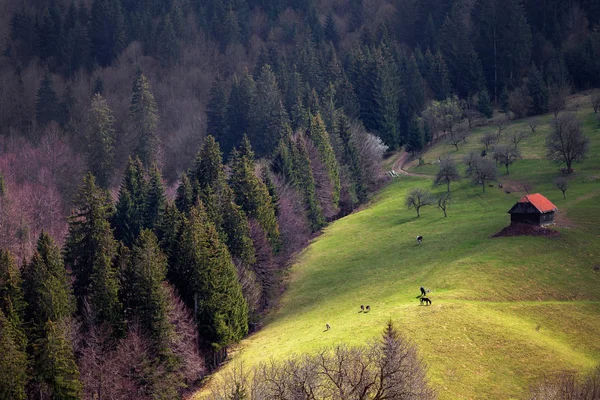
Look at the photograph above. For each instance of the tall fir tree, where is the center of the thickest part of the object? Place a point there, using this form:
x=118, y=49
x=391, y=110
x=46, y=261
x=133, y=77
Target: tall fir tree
x=216, y=110
x=156, y=200
x=107, y=31
x=87, y=225
x=239, y=111
x=168, y=44
x=208, y=283
x=184, y=199
x=351, y=158
x=250, y=192
x=130, y=216
x=47, y=107
x=100, y=136
x=143, y=121
x=13, y=361
x=330, y=31
x=538, y=91
x=319, y=136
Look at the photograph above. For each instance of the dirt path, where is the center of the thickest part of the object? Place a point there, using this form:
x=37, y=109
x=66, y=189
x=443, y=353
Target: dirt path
x=398, y=166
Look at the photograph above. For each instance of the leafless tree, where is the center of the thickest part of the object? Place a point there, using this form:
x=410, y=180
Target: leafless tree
x=480, y=169
x=418, y=198
x=562, y=183
x=567, y=386
x=506, y=155
x=566, y=143
x=443, y=202
x=488, y=139
x=519, y=102
x=447, y=173
x=595, y=99
x=533, y=124
x=500, y=126
x=557, y=98
x=388, y=368
x=516, y=138
x=456, y=136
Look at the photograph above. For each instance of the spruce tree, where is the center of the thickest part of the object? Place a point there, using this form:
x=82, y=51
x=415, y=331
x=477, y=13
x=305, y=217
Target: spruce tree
x=87, y=226
x=319, y=136
x=46, y=287
x=538, y=91
x=144, y=293
x=47, y=107
x=100, y=136
x=143, y=121
x=351, y=158
x=438, y=78
x=216, y=109
x=484, y=104
x=156, y=199
x=107, y=31
x=11, y=293
x=207, y=280
x=251, y=194
x=330, y=31
x=168, y=45
x=185, y=194
x=130, y=216
x=55, y=362
x=239, y=111
x=13, y=361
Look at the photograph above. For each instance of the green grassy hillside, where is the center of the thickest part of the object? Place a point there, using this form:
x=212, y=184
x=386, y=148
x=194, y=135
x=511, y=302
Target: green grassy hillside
x=505, y=311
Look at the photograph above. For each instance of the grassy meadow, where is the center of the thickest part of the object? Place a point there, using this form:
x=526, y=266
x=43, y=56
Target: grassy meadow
x=505, y=312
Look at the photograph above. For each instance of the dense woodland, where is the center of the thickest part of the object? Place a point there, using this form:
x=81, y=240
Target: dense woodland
x=162, y=161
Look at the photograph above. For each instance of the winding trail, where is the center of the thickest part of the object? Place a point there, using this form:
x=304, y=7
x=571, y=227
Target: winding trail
x=398, y=166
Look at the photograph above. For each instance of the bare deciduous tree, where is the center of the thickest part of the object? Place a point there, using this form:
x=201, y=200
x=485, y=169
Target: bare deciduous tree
x=557, y=98
x=447, y=173
x=418, y=198
x=595, y=98
x=456, y=136
x=443, y=202
x=516, y=138
x=519, y=102
x=562, y=184
x=488, y=139
x=567, y=386
x=388, y=368
x=480, y=169
x=533, y=124
x=566, y=143
x=506, y=155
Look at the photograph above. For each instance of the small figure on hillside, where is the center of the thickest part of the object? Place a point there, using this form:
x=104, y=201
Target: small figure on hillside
x=426, y=301
x=362, y=308
x=327, y=327
x=368, y=308
x=423, y=293
x=419, y=239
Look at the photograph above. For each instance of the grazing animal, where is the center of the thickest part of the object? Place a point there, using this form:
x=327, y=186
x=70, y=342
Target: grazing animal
x=419, y=239
x=423, y=293
x=327, y=327
x=507, y=191
x=368, y=308
x=500, y=186
x=362, y=308
x=425, y=300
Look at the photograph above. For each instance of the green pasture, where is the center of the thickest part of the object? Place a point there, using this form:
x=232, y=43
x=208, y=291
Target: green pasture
x=505, y=312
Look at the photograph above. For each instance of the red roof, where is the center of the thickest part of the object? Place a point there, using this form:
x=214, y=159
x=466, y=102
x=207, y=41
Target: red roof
x=539, y=201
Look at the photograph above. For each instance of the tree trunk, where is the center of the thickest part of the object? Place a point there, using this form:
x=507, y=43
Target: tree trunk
x=418, y=213
x=506, y=165
x=448, y=182
x=564, y=194
x=483, y=185
x=444, y=209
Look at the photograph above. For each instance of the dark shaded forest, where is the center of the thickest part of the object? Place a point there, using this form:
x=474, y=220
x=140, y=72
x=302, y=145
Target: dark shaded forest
x=162, y=161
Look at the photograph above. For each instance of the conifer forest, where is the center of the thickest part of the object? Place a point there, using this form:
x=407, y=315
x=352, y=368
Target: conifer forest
x=163, y=161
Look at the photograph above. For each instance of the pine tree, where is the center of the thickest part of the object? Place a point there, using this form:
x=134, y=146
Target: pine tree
x=484, y=104
x=46, y=287
x=438, y=79
x=416, y=137
x=144, y=293
x=306, y=181
x=107, y=31
x=239, y=111
x=130, y=216
x=216, y=122
x=185, y=194
x=330, y=32
x=538, y=91
x=143, y=121
x=156, y=199
x=319, y=136
x=208, y=283
x=351, y=158
x=12, y=303
x=100, y=136
x=47, y=107
x=93, y=207
x=13, y=361
x=55, y=362
x=251, y=194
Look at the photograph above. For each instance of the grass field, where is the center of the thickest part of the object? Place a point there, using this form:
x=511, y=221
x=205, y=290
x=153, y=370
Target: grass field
x=505, y=311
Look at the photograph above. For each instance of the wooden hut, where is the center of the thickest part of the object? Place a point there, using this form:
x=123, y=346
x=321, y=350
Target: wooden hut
x=533, y=209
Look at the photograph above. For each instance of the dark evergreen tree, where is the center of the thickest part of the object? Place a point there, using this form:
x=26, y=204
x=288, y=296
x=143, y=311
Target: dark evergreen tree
x=484, y=105
x=216, y=111
x=438, y=78
x=98, y=87
x=416, y=136
x=239, y=111
x=47, y=107
x=330, y=32
x=208, y=283
x=66, y=106
x=305, y=181
x=319, y=136
x=100, y=136
x=87, y=228
x=143, y=121
x=168, y=44
x=156, y=199
x=185, y=194
x=13, y=361
x=538, y=91
x=107, y=32
x=130, y=216
x=251, y=193
x=12, y=303
x=352, y=159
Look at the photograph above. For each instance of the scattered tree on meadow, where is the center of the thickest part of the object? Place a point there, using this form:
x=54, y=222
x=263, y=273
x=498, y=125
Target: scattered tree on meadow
x=562, y=183
x=520, y=102
x=506, y=155
x=443, y=115
x=533, y=124
x=566, y=142
x=595, y=99
x=418, y=198
x=447, y=172
x=443, y=202
x=516, y=138
x=480, y=169
x=557, y=99
x=488, y=139
x=456, y=136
